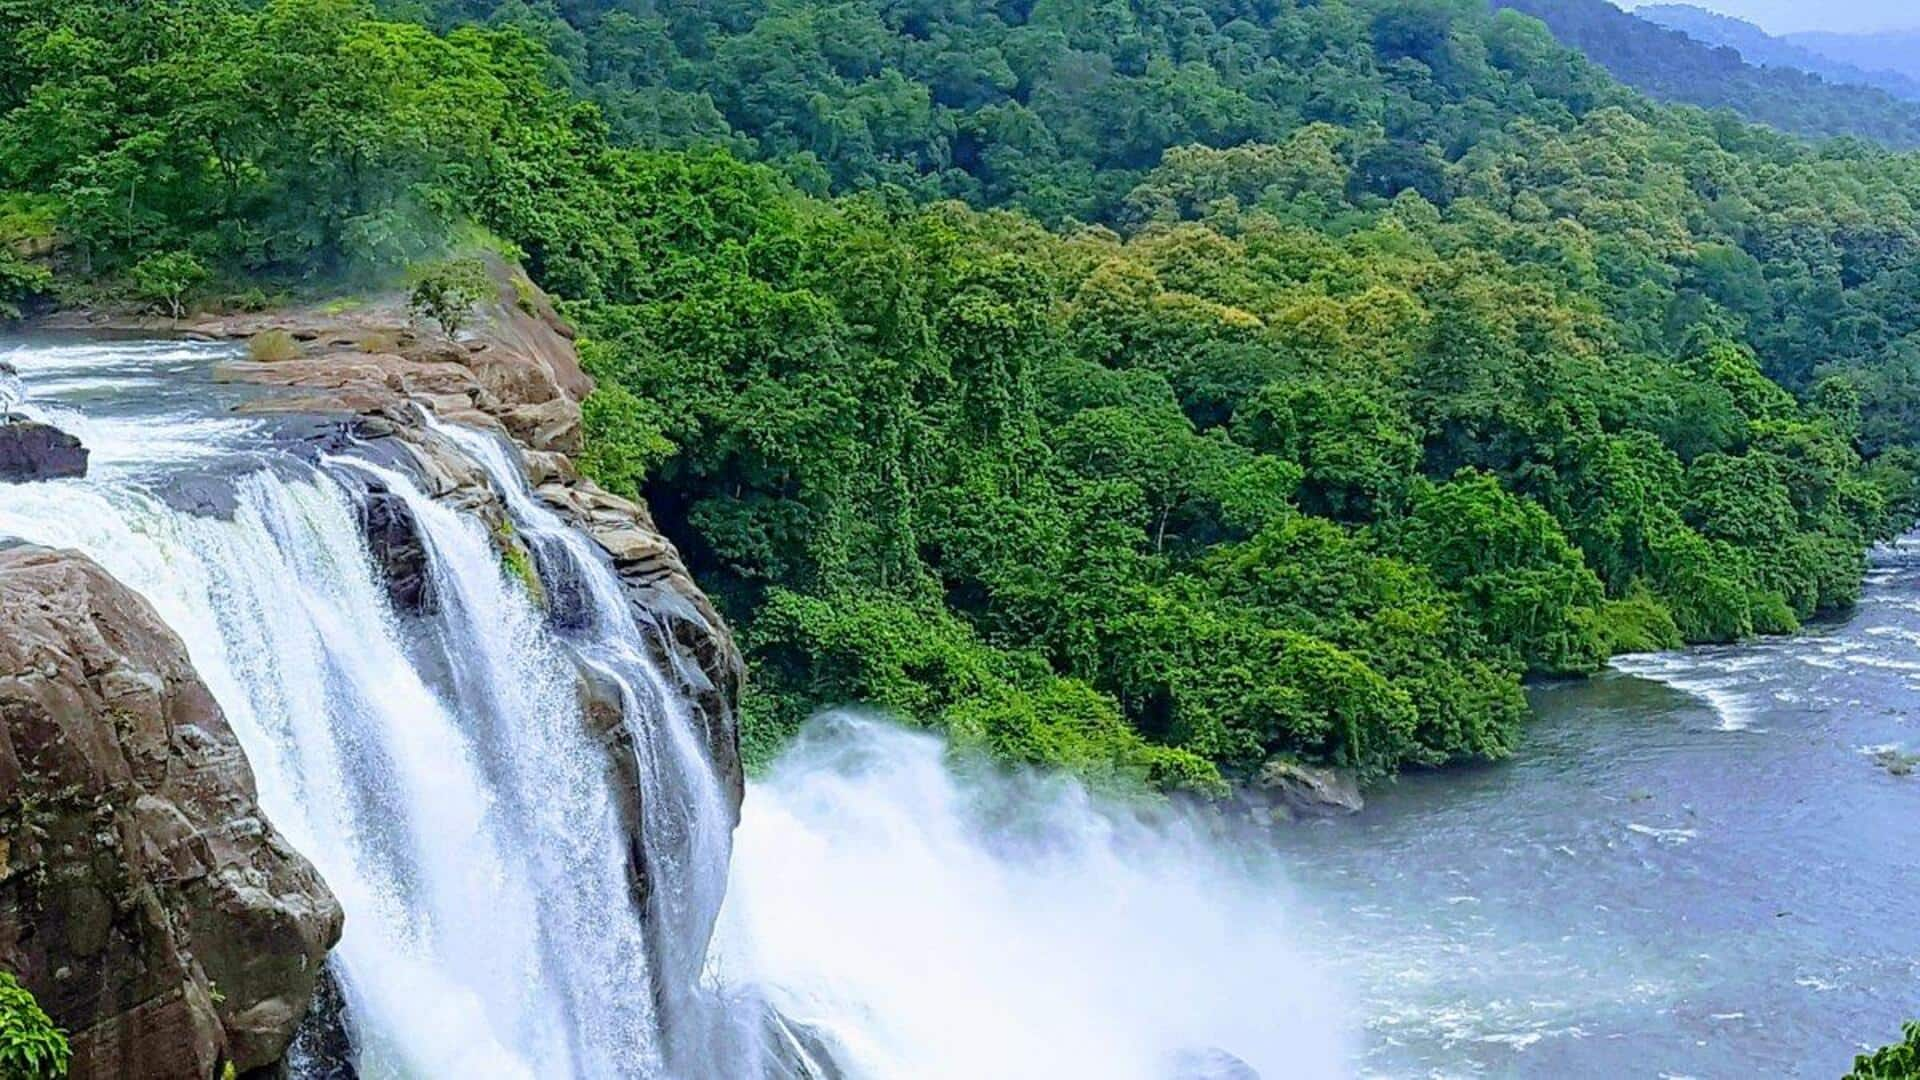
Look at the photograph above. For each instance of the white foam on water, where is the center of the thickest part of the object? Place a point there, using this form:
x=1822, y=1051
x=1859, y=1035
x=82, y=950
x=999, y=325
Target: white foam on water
x=1886, y=663
x=1674, y=837
x=32, y=360
x=1685, y=674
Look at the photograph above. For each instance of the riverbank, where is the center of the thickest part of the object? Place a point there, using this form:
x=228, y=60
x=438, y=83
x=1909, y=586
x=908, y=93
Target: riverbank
x=1696, y=869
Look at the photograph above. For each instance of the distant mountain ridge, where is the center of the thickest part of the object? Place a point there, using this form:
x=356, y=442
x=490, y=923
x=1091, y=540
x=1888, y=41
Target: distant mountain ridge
x=1668, y=64
x=1756, y=46
x=1897, y=51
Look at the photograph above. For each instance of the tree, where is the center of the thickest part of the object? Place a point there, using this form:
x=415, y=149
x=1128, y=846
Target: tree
x=166, y=278
x=1529, y=589
x=447, y=291
x=20, y=281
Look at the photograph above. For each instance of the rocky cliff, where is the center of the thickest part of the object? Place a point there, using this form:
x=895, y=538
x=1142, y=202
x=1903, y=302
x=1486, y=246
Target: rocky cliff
x=145, y=901
x=363, y=377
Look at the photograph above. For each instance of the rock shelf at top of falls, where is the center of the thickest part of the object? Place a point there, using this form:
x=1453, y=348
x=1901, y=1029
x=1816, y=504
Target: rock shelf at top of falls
x=365, y=370
x=36, y=451
x=360, y=705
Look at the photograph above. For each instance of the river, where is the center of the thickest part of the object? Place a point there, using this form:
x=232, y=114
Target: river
x=1693, y=867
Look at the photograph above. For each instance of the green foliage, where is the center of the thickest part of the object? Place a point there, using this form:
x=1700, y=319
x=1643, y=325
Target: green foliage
x=517, y=563
x=1523, y=583
x=165, y=278
x=1670, y=66
x=1147, y=390
x=20, y=282
x=924, y=663
x=1900, y=1061
x=31, y=1048
x=1637, y=624
x=447, y=291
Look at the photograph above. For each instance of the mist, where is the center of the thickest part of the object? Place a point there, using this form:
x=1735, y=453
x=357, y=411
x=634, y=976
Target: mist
x=939, y=922
x=1795, y=16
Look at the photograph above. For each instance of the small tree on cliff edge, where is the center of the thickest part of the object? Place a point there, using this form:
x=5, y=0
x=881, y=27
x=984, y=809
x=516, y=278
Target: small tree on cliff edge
x=31, y=1048
x=448, y=291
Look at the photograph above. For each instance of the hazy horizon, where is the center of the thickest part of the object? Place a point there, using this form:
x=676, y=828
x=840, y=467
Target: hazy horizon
x=1794, y=16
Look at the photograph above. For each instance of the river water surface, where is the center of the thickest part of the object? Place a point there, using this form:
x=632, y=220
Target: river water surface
x=1693, y=867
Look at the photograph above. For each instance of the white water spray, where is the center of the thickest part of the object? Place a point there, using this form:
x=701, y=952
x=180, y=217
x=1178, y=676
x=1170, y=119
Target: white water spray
x=440, y=772
x=938, y=924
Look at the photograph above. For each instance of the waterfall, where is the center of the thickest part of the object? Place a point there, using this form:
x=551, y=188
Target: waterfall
x=686, y=826
x=439, y=768
x=456, y=772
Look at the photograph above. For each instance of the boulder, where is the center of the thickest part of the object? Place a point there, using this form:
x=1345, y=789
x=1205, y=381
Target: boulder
x=1309, y=790
x=30, y=450
x=144, y=898
x=548, y=426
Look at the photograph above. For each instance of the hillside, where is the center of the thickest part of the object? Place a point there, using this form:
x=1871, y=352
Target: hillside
x=1756, y=46
x=1891, y=50
x=1413, y=355
x=1669, y=65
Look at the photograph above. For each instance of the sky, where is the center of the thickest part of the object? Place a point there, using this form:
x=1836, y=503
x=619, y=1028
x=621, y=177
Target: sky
x=1789, y=16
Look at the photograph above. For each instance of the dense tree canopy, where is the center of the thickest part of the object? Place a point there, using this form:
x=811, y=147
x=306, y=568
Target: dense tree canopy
x=1166, y=390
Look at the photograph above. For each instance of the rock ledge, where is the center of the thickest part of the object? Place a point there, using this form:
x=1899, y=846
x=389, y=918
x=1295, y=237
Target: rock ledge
x=144, y=899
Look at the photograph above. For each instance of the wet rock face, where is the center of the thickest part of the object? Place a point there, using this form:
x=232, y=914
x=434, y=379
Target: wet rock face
x=1297, y=790
x=144, y=899
x=30, y=450
x=399, y=552
x=692, y=644
x=323, y=1048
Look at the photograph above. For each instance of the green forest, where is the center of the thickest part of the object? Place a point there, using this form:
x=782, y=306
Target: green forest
x=1149, y=390
x=1673, y=66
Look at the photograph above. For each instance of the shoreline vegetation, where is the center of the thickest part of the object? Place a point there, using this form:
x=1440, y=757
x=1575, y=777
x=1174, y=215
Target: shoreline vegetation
x=1160, y=395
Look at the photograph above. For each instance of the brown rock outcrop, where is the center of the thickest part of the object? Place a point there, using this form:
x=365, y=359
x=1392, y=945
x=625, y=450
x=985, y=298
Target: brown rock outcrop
x=516, y=373
x=1294, y=789
x=35, y=451
x=143, y=898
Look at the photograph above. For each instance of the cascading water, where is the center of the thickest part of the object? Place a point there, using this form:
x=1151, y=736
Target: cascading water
x=444, y=769
x=438, y=769
x=686, y=826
